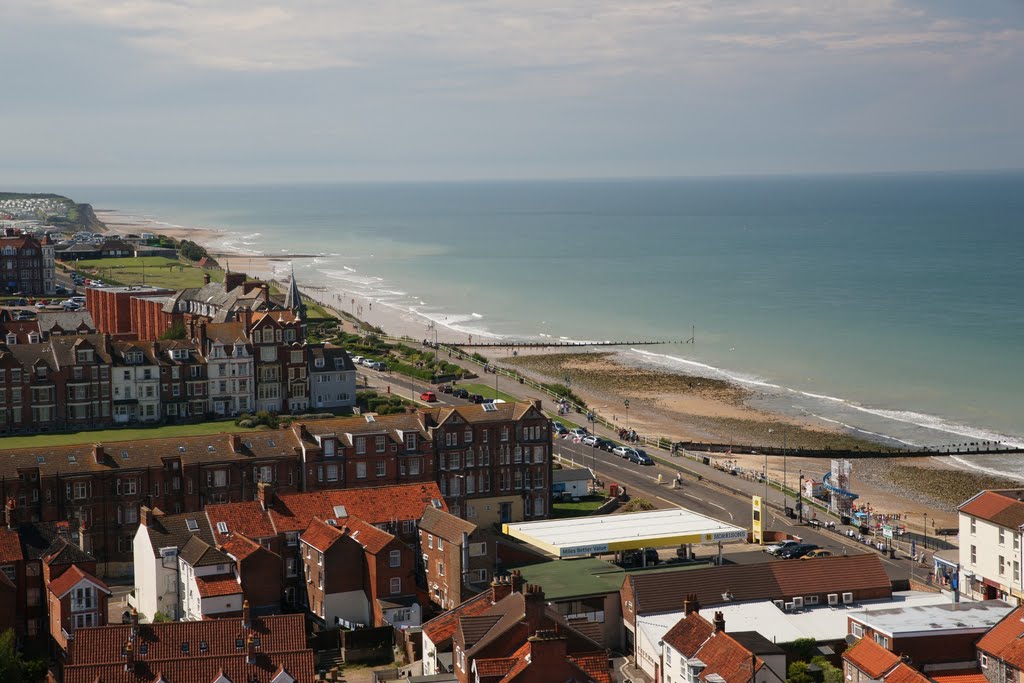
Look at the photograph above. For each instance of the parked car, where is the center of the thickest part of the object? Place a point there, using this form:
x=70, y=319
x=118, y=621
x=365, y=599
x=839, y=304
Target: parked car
x=640, y=457
x=622, y=451
x=590, y=440
x=71, y=306
x=820, y=552
x=445, y=388
x=577, y=432
x=357, y=360
x=428, y=396
x=559, y=428
x=636, y=558
x=605, y=445
x=797, y=551
x=460, y=393
x=379, y=366
x=25, y=314
x=476, y=398
x=776, y=548
x=369, y=363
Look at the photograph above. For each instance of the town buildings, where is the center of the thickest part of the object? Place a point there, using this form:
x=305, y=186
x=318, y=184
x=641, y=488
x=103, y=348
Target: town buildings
x=26, y=264
x=868, y=662
x=990, y=545
x=1001, y=650
x=270, y=649
x=458, y=558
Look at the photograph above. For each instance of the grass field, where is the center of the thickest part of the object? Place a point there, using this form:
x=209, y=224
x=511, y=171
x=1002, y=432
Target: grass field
x=155, y=271
x=582, y=508
x=487, y=392
x=114, y=435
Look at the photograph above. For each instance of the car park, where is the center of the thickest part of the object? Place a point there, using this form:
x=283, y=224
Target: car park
x=24, y=314
x=797, y=551
x=460, y=393
x=428, y=396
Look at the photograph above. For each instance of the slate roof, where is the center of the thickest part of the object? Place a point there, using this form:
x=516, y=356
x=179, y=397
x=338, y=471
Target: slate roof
x=335, y=358
x=198, y=553
x=48, y=539
x=65, y=320
x=144, y=453
x=444, y=524
x=171, y=531
x=503, y=412
x=661, y=592
x=871, y=658
x=560, y=476
x=1002, y=507
x=70, y=578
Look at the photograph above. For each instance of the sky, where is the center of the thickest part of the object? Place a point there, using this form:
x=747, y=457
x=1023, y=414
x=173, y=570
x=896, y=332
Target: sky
x=237, y=91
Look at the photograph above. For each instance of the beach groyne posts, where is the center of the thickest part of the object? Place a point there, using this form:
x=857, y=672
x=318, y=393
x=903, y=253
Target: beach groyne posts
x=972, y=448
x=562, y=344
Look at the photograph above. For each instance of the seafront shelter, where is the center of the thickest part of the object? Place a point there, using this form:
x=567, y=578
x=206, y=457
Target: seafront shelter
x=602, y=534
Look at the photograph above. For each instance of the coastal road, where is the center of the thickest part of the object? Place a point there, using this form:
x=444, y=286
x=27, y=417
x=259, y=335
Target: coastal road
x=702, y=496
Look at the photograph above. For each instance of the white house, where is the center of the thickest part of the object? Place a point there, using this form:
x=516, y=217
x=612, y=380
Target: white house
x=135, y=383
x=230, y=376
x=696, y=647
x=332, y=377
x=209, y=585
x=572, y=482
x=158, y=542
x=990, y=546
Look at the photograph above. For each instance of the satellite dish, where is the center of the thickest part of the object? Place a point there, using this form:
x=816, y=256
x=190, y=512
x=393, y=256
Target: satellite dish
x=851, y=639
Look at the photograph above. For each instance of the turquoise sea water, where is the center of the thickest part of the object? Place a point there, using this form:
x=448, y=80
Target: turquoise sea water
x=889, y=303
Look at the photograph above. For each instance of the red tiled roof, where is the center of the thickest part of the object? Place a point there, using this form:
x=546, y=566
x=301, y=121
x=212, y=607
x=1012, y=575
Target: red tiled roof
x=217, y=585
x=958, y=676
x=486, y=668
x=246, y=518
x=379, y=505
x=70, y=578
x=440, y=629
x=321, y=535
x=102, y=645
x=1004, y=641
x=689, y=634
x=727, y=658
x=998, y=507
x=299, y=666
x=370, y=537
x=907, y=674
x=522, y=661
x=239, y=547
x=871, y=658
x=10, y=547
x=593, y=664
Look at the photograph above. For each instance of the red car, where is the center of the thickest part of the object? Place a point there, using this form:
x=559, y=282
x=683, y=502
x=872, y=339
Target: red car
x=428, y=396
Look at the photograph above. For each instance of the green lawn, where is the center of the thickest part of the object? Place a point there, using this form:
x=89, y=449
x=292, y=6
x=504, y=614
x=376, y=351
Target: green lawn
x=155, y=271
x=488, y=392
x=585, y=506
x=114, y=435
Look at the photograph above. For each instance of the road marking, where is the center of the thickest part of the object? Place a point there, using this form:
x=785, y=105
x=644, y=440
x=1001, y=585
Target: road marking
x=670, y=502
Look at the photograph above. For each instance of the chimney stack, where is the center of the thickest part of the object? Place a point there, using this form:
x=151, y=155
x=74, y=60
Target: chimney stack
x=690, y=604
x=82, y=545
x=501, y=587
x=246, y=619
x=236, y=443
x=534, y=598
x=9, y=512
x=206, y=278
x=265, y=494
x=719, y=622
x=98, y=453
x=265, y=293
x=547, y=649
x=250, y=646
x=129, y=657
x=516, y=578
x=145, y=516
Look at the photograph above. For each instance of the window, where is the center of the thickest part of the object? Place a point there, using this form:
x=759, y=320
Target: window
x=1002, y=537
x=360, y=446
x=9, y=572
x=396, y=585
x=83, y=599
x=1016, y=571
x=974, y=554
x=430, y=541
x=291, y=566
x=481, y=575
x=1002, y=565
x=974, y=526
x=395, y=558
x=410, y=442
x=882, y=640
x=440, y=568
x=360, y=470
x=468, y=436
x=381, y=468
x=984, y=660
x=332, y=473
x=440, y=543
x=858, y=630
x=380, y=444
x=217, y=479
x=414, y=467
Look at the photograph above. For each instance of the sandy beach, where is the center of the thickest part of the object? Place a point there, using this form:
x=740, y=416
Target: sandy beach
x=662, y=404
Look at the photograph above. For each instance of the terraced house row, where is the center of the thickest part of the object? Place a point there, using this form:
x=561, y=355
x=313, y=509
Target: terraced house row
x=490, y=463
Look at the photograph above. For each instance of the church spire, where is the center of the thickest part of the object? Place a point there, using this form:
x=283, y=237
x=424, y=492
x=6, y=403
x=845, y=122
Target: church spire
x=293, y=298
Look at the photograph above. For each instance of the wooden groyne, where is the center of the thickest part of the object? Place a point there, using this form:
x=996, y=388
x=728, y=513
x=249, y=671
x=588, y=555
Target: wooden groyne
x=970, y=448
x=556, y=344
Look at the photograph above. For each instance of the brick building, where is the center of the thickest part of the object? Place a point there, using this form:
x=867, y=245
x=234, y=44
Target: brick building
x=1000, y=652
x=77, y=600
x=867, y=661
x=26, y=264
x=248, y=648
x=112, y=310
x=457, y=558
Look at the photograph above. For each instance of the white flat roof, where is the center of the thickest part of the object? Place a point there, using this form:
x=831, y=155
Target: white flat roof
x=820, y=622
x=606, y=533
x=907, y=619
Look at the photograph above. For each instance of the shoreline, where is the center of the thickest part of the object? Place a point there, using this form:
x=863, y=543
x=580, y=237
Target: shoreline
x=667, y=408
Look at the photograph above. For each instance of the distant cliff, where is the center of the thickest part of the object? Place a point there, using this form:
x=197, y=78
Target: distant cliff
x=78, y=216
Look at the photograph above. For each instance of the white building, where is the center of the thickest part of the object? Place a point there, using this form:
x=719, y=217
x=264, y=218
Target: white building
x=990, y=546
x=135, y=380
x=208, y=583
x=332, y=377
x=696, y=647
x=230, y=376
x=158, y=542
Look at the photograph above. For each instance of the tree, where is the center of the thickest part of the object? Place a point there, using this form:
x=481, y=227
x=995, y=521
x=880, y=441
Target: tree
x=160, y=618
x=829, y=673
x=798, y=673
x=14, y=669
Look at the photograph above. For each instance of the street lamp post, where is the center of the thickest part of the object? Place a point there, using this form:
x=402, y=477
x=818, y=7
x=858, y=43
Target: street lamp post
x=626, y=403
x=800, y=498
x=785, y=479
x=926, y=531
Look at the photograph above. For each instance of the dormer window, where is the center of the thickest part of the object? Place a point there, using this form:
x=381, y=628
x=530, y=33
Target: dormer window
x=319, y=362
x=410, y=442
x=33, y=337
x=84, y=355
x=12, y=339
x=41, y=372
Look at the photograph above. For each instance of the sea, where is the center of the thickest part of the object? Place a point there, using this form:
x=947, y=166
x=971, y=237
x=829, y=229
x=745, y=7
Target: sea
x=887, y=304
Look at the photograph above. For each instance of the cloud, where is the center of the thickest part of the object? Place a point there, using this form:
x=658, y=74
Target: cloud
x=602, y=36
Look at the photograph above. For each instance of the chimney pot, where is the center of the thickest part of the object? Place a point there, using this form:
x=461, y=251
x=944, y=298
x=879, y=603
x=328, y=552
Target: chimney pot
x=719, y=622
x=144, y=515
x=206, y=278
x=129, y=655
x=250, y=646
x=246, y=620
x=265, y=494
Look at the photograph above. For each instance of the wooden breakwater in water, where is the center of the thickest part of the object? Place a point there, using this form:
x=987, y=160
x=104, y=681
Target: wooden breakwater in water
x=556, y=344
x=967, y=448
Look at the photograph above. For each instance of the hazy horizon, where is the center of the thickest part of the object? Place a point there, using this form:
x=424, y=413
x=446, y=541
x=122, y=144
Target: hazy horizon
x=155, y=92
